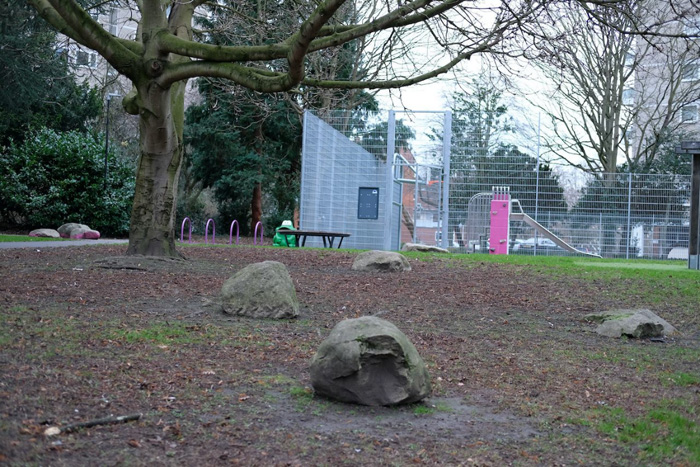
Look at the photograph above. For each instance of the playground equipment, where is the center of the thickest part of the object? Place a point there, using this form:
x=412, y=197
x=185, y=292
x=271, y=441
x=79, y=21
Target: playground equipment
x=501, y=215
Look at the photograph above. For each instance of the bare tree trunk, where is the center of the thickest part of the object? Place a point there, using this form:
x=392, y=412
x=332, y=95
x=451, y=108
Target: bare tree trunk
x=256, y=206
x=161, y=119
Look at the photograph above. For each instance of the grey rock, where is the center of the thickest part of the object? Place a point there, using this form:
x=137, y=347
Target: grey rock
x=46, y=233
x=377, y=260
x=66, y=229
x=261, y=290
x=637, y=323
x=369, y=361
x=423, y=248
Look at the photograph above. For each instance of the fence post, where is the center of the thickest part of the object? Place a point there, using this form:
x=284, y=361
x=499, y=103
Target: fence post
x=389, y=181
x=446, y=154
x=629, y=214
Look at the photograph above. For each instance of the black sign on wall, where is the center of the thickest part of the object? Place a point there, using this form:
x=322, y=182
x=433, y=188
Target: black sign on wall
x=368, y=203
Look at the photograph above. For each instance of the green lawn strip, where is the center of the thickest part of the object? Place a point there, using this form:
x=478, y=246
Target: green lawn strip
x=650, y=282
x=27, y=238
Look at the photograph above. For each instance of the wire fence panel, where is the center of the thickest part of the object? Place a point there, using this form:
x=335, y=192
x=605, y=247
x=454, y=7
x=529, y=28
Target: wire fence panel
x=339, y=177
x=618, y=215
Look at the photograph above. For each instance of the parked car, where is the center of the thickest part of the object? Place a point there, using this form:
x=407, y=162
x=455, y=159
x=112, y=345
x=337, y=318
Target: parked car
x=678, y=252
x=528, y=246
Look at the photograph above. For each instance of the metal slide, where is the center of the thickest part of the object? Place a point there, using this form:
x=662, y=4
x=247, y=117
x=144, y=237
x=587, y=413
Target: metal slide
x=521, y=216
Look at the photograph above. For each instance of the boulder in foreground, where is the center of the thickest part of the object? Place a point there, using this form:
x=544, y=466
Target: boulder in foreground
x=369, y=361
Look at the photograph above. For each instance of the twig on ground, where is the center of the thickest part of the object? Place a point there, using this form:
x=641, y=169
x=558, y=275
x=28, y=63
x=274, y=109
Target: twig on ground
x=90, y=423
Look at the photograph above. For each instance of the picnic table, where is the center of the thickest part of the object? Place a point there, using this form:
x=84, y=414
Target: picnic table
x=328, y=237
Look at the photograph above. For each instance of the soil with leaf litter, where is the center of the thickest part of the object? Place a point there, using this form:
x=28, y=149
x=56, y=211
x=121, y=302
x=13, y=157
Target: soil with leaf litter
x=518, y=376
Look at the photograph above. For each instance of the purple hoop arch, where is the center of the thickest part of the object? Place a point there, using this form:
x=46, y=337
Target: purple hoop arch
x=255, y=235
x=206, y=232
x=182, y=230
x=230, y=232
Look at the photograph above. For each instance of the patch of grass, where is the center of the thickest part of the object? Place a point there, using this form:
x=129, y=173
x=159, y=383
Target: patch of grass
x=662, y=434
x=423, y=410
x=275, y=380
x=683, y=379
x=305, y=401
x=27, y=238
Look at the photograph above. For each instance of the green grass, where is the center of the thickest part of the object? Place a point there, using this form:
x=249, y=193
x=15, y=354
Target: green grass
x=167, y=334
x=684, y=379
x=663, y=433
x=422, y=409
x=652, y=281
x=27, y=238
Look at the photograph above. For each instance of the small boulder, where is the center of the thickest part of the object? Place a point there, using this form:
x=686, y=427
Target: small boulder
x=639, y=323
x=45, y=233
x=66, y=230
x=261, y=290
x=91, y=235
x=369, y=361
x=423, y=248
x=377, y=260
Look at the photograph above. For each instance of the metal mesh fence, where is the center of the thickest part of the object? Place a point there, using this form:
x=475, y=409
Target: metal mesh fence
x=614, y=215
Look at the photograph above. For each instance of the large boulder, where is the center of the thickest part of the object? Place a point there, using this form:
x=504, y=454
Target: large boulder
x=369, y=361
x=45, y=233
x=261, y=290
x=639, y=323
x=66, y=229
x=377, y=260
x=423, y=248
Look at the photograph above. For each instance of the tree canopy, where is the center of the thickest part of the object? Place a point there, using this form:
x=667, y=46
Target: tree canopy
x=37, y=88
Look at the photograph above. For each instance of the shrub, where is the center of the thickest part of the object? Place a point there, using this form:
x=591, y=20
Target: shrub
x=53, y=178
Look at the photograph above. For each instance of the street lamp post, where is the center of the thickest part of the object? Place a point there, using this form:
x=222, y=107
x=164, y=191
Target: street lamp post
x=109, y=98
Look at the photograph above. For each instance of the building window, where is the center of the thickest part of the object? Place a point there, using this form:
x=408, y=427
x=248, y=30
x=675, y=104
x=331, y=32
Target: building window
x=691, y=26
x=689, y=113
x=691, y=71
x=628, y=96
x=86, y=59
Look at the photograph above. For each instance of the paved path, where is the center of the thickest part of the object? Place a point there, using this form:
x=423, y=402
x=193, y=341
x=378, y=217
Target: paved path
x=49, y=244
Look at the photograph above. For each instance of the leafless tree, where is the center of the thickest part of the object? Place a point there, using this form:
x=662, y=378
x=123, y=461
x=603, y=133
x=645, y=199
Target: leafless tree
x=621, y=80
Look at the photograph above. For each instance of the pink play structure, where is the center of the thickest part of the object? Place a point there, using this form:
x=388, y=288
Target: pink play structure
x=502, y=213
x=500, y=221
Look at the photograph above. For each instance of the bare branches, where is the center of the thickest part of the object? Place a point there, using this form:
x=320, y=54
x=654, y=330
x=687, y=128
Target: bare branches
x=70, y=19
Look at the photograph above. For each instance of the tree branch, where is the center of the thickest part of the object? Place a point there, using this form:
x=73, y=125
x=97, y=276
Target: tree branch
x=88, y=32
x=390, y=84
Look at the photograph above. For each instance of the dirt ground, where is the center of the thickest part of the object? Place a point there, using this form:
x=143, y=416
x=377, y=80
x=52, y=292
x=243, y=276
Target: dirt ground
x=519, y=378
